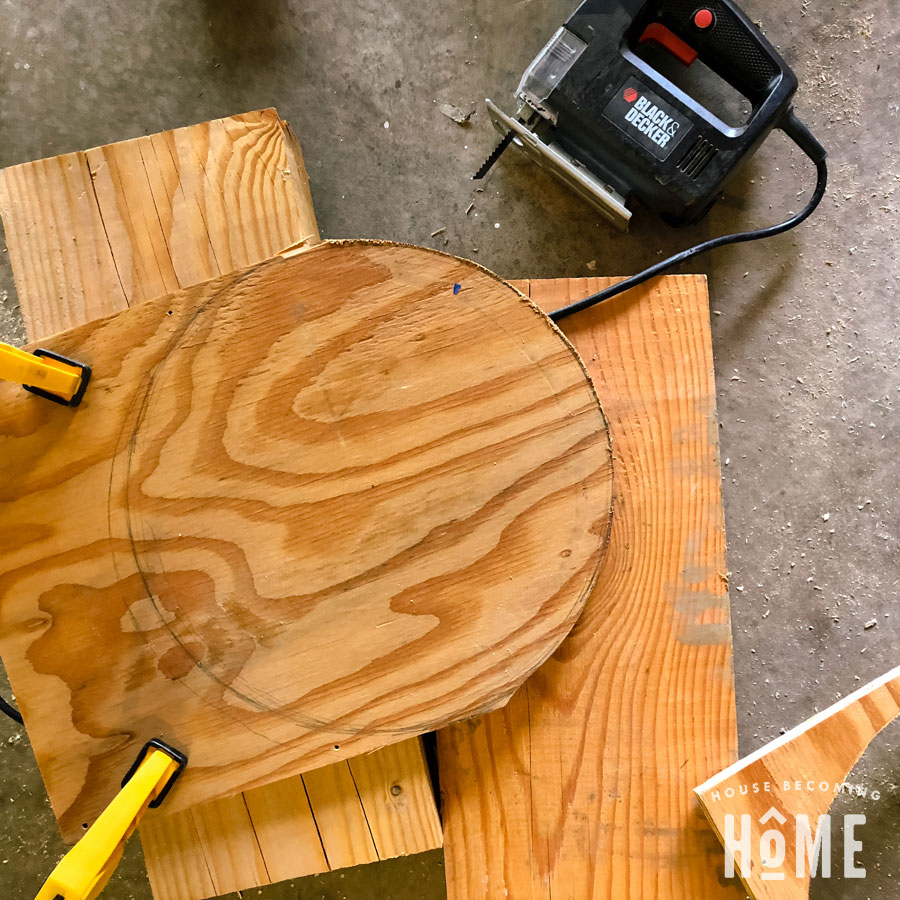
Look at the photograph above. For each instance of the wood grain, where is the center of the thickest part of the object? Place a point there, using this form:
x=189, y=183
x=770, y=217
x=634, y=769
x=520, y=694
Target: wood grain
x=797, y=774
x=372, y=807
x=94, y=231
x=53, y=219
x=399, y=814
x=217, y=824
x=347, y=834
x=323, y=504
x=285, y=830
x=582, y=786
x=177, y=862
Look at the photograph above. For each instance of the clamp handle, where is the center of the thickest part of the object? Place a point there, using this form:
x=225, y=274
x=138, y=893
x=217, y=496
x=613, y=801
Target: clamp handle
x=45, y=373
x=85, y=870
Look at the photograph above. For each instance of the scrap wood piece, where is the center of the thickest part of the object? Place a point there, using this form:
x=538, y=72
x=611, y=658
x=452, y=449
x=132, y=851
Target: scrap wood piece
x=93, y=231
x=216, y=822
x=329, y=819
x=285, y=830
x=401, y=821
x=583, y=785
x=66, y=271
x=797, y=774
x=324, y=503
x=348, y=835
x=456, y=114
x=178, y=864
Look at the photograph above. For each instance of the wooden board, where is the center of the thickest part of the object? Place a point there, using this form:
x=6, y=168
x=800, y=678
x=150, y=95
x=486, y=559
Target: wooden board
x=582, y=786
x=252, y=168
x=97, y=230
x=372, y=807
x=797, y=774
x=323, y=504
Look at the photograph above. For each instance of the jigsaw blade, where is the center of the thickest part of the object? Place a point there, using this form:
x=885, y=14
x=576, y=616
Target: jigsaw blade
x=489, y=162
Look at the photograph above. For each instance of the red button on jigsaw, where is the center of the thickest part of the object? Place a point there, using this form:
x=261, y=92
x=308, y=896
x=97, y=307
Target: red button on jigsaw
x=704, y=19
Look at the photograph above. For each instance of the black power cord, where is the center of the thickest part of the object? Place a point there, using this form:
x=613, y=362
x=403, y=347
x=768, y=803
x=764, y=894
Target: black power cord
x=11, y=711
x=804, y=139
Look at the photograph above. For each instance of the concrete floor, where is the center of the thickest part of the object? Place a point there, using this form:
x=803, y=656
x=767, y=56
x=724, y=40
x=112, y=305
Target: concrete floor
x=805, y=325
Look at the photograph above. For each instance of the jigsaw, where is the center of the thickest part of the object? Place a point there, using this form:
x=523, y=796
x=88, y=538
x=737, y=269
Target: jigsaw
x=617, y=106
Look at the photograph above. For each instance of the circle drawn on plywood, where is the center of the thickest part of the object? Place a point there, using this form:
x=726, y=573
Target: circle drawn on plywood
x=360, y=481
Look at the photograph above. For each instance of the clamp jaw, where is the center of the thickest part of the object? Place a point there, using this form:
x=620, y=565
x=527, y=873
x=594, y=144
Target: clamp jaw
x=45, y=373
x=85, y=870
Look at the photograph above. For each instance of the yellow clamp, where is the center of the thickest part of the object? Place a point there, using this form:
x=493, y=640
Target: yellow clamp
x=85, y=870
x=45, y=373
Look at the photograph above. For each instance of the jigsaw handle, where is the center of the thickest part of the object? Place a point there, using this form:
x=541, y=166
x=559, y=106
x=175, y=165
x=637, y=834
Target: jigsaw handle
x=729, y=43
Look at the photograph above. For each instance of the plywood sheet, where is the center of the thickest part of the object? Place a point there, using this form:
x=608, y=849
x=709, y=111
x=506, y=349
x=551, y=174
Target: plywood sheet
x=583, y=785
x=323, y=504
x=58, y=216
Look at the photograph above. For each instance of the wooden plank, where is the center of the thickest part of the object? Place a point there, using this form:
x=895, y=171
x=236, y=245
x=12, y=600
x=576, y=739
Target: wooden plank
x=218, y=823
x=177, y=863
x=582, y=787
x=61, y=260
x=323, y=504
x=132, y=226
x=401, y=817
x=812, y=761
x=286, y=830
x=151, y=215
x=346, y=834
x=392, y=816
x=66, y=275
x=211, y=850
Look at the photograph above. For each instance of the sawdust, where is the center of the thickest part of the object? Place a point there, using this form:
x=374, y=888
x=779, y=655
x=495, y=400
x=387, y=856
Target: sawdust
x=849, y=29
x=837, y=100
